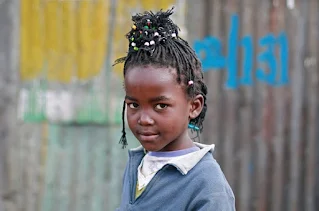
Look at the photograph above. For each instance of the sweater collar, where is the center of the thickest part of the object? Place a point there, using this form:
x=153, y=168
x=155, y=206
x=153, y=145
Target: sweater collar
x=186, y=162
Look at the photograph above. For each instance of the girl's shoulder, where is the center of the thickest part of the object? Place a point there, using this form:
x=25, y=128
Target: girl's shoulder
x=210, y=176
x=209, y=165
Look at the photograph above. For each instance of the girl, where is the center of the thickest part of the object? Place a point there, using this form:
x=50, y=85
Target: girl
x=166, y=95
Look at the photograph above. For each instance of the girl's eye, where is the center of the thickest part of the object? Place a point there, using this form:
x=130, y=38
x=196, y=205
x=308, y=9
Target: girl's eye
x=133, y=105
x=161, y=106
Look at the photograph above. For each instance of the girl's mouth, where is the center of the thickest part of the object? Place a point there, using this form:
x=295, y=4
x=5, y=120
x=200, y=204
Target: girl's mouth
x=147, y=136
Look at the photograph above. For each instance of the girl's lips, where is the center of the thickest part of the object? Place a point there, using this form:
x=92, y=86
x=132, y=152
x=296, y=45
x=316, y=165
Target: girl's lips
x=148, y=136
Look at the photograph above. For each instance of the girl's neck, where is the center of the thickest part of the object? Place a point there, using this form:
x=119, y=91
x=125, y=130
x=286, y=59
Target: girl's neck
x=181, y=143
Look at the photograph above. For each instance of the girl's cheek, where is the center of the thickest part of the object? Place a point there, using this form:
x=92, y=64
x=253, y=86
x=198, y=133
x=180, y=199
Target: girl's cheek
x=131, y=122
x=131, y=116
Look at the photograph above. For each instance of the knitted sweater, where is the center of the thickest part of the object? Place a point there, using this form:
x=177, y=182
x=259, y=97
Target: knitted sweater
x=196, y=185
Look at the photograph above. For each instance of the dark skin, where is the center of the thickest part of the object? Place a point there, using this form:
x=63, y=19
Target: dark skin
x=158, y=108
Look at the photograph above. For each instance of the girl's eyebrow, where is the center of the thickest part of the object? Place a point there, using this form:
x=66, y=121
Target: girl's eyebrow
x=159, y=98
x=153, y=100
x=130, y=98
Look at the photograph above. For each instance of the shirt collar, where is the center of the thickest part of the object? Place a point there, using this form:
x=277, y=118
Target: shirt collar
x=186, y=162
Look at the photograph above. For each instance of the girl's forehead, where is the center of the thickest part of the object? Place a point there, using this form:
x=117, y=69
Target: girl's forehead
x=151, y=82
x=150, y=74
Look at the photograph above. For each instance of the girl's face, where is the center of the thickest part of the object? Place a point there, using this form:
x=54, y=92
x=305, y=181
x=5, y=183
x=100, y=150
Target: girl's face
x=158, y=109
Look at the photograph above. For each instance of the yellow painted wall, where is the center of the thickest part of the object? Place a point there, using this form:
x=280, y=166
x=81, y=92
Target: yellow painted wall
x=61, y=40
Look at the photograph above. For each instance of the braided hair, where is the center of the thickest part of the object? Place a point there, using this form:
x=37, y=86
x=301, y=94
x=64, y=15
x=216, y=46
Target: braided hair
x=154, y=40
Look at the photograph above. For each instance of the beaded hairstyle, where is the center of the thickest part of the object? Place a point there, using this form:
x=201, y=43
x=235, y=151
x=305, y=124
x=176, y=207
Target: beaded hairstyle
x=154, y=40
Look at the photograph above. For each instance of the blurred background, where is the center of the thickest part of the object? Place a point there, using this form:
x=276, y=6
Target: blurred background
x=61, y=99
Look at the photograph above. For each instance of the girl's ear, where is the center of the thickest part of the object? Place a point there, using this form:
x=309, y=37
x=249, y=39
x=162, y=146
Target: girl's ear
x=197, y=104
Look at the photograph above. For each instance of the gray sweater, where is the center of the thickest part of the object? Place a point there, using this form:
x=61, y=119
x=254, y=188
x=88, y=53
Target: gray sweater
x=198, y=185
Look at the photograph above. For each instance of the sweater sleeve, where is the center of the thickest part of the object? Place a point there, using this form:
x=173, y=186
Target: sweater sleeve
x=211, y=191
x=216, y=203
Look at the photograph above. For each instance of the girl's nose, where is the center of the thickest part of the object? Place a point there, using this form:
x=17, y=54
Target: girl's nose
x=145, y=119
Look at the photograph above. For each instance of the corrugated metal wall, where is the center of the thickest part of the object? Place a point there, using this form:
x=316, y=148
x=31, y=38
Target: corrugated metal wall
x=66, y=154
x=261, y=63
x=68, y=167
x=263, y=81
x=8, y=100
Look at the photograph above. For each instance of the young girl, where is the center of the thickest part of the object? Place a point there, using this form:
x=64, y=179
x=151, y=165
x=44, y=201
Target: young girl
x=166, y=95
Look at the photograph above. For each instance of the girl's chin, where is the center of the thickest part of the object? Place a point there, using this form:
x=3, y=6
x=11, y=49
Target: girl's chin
x=151, y=146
